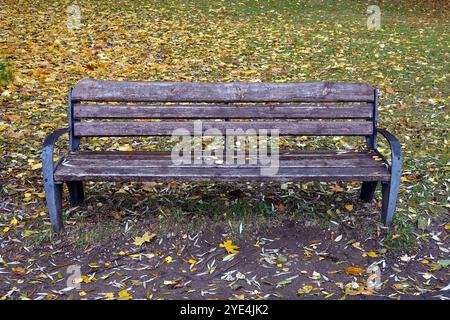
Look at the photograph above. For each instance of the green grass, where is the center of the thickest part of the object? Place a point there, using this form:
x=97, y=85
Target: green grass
x=5, y=74
x=401, y=237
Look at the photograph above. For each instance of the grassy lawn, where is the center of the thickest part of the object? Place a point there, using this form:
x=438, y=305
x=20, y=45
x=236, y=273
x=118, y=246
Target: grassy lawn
x=278, y=41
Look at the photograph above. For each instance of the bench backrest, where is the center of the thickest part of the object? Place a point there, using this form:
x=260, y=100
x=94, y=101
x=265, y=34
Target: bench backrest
x=311, y=108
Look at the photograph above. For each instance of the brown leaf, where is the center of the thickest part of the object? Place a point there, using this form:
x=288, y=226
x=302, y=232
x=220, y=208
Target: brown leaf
x=354, y=271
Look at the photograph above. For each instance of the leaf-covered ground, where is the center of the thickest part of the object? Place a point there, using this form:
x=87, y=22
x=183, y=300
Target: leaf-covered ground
x=151, y=240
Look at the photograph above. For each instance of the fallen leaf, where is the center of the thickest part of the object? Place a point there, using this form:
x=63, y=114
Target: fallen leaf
x=229, y=246
x=280, y=208
x=124, y=295
x=354, y=271
x=427, y=276
x=147, y=237
x=349, y=207
x=125, y=147
x=304, y=290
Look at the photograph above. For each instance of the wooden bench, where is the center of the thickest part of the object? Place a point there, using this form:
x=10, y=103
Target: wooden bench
x=117, y=109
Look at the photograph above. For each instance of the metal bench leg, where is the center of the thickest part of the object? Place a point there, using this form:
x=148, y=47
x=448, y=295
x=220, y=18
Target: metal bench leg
x=53, y=197
x=389, y=200
x=368, y=190
x=53, y=190
x=390, y=189
x=75, y=192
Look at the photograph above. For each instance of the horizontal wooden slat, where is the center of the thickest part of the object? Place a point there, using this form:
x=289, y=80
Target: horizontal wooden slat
x=67, y=173
x=304, y=163
x=224, y=111
x=158, y=166
x=97, y=90
x=110, y=129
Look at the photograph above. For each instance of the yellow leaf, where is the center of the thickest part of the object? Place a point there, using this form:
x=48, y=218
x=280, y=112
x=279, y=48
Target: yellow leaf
x=29, y=233
x=356, y=245
x=308, y=253
x=354, y=271
x=427, y=276
x=82, y=293
x=398, y=286
x=27, y=195
x=13, y=222
x=447, y=226
x=109, y=295
x=372, y=254
x=5, y=229
x=349, y=207
x=229, y=246
x=249, y=72
x=124, y=295
x=304, y=290
x=168, y=259
x=36, y=166
x=147, y=237
x=354, y=289
x=125, y=147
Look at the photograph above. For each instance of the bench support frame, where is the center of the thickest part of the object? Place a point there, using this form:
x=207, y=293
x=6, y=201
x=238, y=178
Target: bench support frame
x=390, y=189
x=54, y=189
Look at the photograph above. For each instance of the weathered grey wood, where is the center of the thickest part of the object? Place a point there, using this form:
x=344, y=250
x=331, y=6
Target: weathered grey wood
x=97, y=90
x=113, y=128
x=167, y=162
x=206, y=173
x=364, y=111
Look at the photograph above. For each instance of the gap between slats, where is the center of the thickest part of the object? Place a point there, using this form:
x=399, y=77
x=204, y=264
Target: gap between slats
x=104, y=111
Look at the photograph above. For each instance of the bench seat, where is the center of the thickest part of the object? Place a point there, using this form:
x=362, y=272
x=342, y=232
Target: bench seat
x=158, y=166
x=182, y=110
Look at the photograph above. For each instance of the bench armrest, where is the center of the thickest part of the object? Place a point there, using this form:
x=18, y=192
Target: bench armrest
x=396, y=152
x=48, y=165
